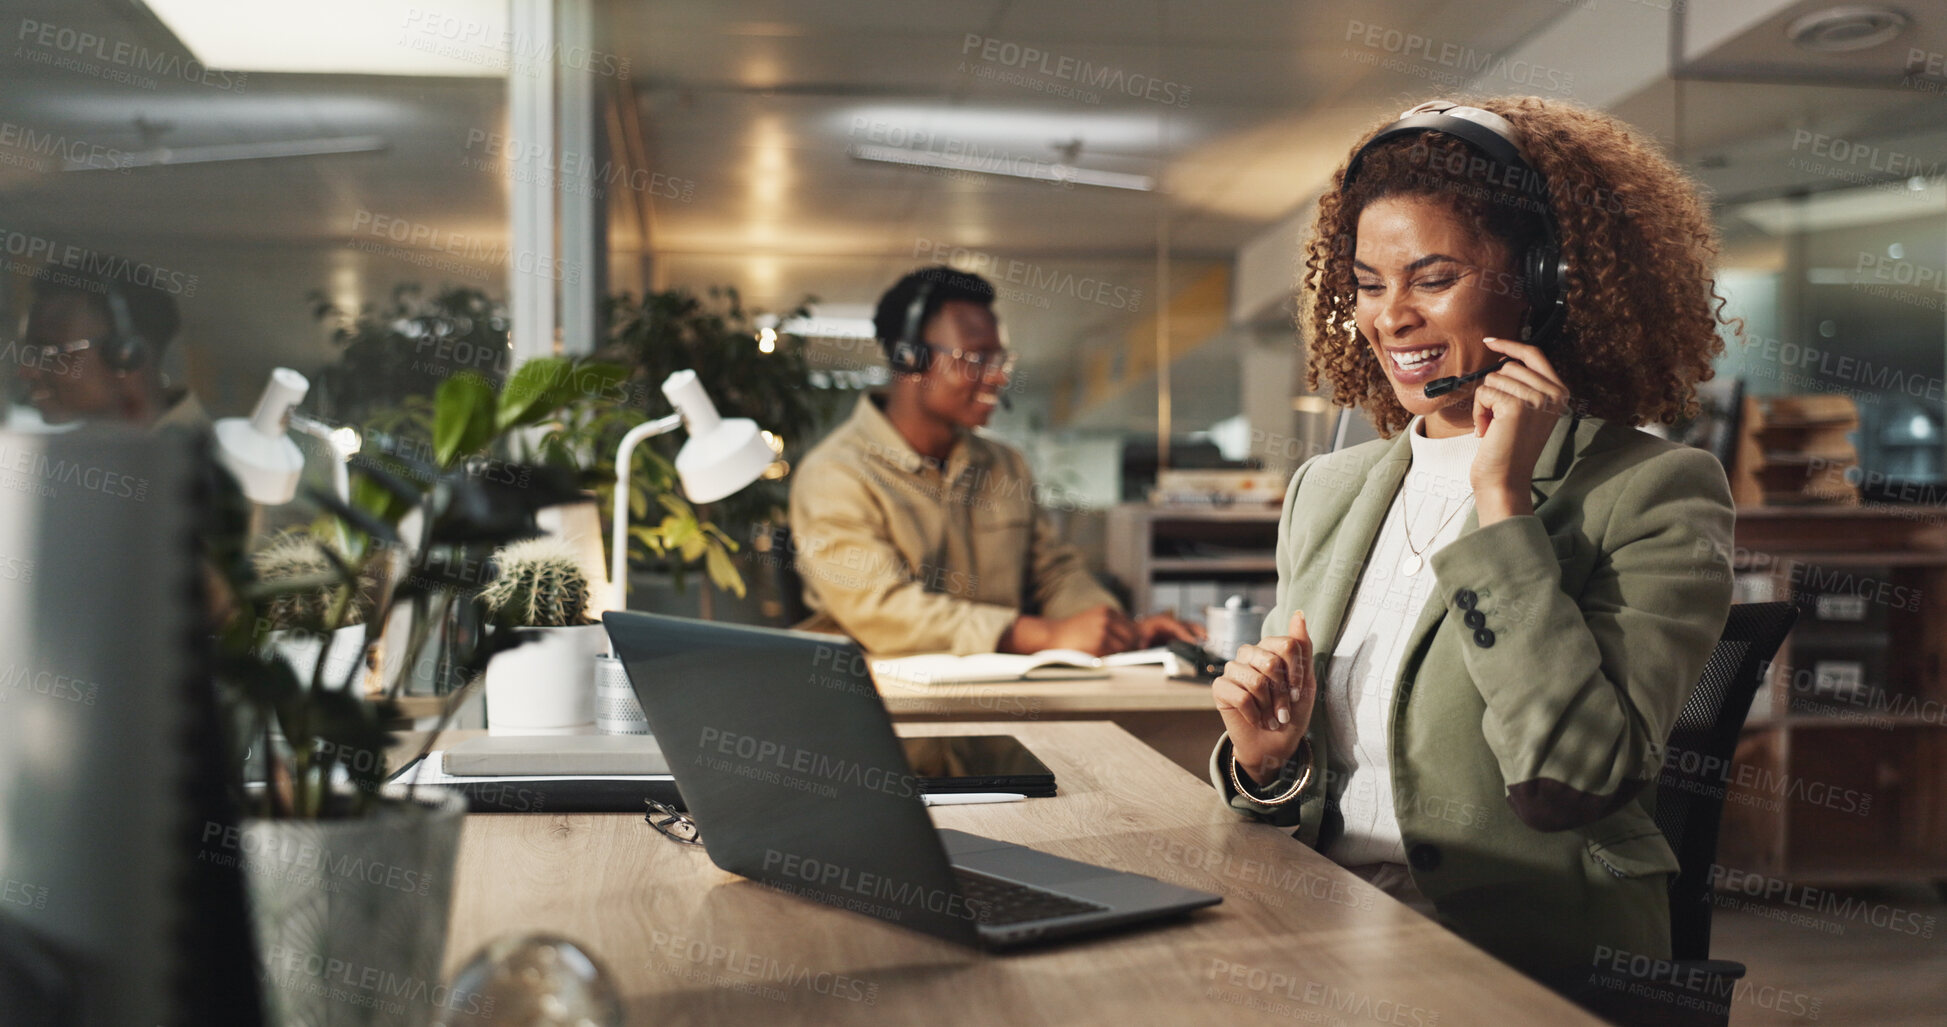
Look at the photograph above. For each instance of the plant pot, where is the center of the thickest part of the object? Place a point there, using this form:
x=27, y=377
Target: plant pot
x=351, y=914
x=300, y=650
x=546, y=686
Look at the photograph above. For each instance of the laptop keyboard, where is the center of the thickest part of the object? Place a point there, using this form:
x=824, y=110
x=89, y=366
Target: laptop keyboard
x=1003, y=902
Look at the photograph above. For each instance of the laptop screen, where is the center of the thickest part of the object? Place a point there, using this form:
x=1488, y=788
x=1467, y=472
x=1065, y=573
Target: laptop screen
x=789, y=765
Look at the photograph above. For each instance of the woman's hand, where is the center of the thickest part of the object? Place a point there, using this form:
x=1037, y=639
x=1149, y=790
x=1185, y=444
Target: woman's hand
x=1265, y=697
x=1515, y=409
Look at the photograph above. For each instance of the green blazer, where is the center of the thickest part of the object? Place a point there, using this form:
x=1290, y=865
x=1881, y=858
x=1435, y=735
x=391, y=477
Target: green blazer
x=1523, y=749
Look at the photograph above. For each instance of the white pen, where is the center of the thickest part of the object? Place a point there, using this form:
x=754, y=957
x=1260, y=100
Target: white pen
x=969, y=798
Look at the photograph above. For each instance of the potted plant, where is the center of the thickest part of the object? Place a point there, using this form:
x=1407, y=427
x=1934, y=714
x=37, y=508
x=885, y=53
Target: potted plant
x=393, y=357
x=341, y=869
x=300, y=619
x=750, y=372
x=419, y=359
x=546, y=686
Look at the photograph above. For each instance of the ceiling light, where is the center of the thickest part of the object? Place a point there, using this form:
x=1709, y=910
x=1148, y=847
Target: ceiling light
x=1843, y=208
x=1011, y=167
x=828, y=327
x=1846, y=28
x=162, y=155
x=457, y=38
x=935, y=127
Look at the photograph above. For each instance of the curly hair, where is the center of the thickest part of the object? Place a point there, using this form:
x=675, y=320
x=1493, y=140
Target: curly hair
x=1643, y=311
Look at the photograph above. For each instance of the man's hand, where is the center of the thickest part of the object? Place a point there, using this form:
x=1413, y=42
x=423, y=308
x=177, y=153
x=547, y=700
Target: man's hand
x=1098, y=631
x=1158, y=628
x=1265, y=697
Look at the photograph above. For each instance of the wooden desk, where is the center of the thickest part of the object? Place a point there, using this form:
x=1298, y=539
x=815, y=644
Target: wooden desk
x=1176, y=718
x=1296, y=939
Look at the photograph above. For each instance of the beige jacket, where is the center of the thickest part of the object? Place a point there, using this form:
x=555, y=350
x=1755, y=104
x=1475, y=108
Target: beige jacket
x=907, y=557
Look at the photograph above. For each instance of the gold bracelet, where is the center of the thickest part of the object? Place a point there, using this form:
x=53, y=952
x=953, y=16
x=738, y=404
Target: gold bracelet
x=1290, y=794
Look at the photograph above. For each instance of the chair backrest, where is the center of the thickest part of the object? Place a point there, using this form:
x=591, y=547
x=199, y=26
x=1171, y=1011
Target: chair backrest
x=783, y=558
x=1696, y=768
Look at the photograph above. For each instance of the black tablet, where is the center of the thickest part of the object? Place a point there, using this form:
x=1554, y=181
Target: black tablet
x=978, y=763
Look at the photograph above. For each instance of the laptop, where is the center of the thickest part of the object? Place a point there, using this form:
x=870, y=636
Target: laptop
x=789, y=765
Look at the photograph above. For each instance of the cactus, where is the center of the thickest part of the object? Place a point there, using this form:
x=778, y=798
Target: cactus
x=293, y=555
x=540, y=584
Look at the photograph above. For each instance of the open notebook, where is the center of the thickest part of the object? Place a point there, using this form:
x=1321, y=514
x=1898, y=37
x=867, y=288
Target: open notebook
x=1046, y=665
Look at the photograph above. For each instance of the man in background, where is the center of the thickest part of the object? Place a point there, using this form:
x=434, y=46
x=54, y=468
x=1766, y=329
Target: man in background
x=913, y=533
x=91, y=348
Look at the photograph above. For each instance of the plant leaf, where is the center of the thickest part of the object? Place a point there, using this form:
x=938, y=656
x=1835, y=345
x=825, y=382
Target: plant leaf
x=531, y=393
x=351, y=515
x=723, y=572
x=463, y=419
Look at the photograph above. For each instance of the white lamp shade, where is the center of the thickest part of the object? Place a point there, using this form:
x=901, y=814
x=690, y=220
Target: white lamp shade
x=254, y=449
x=721, y=456
x=727, y=458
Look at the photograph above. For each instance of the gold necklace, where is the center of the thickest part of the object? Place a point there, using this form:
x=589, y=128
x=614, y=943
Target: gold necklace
x=1411, y=565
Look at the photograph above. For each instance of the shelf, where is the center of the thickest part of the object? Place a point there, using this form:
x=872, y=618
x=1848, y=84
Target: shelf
x=1847, y=420
x=1861, y=512
x=1812, y=759
x=1851, y=557
x=1214, y=564
x=1795, y=458
x=1870, y=867
x=1865, y=719
x=1255, y=512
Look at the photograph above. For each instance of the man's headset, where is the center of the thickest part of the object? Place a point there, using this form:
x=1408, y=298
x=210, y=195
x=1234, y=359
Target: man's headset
x=1544, y=269
x=908, y=354
x=125, y=349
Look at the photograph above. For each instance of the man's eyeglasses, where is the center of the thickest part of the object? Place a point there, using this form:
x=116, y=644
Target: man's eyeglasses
x=50, y=350
x=991, y=365
x=671, y=823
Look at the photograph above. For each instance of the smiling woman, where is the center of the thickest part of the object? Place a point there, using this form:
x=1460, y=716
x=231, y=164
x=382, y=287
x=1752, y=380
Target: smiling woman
x=1638, y=241
x=1476, y=740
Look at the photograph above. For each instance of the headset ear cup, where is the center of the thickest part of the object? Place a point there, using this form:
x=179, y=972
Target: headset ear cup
x=126, y=350
x=909, y=358
x=128, y=354
x=1541, y=281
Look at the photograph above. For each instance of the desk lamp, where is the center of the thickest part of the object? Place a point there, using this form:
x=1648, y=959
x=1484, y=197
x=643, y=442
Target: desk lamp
x=720, y=458
x=265, y=461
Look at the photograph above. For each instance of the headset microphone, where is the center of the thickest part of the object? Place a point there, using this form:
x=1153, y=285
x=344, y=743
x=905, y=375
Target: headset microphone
x=1442, y=386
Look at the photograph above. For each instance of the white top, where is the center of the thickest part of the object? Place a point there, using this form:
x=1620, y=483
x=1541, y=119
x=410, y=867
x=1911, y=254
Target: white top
x=1394, y=587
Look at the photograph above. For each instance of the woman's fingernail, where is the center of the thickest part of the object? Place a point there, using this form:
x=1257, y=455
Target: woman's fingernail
x=1284, y=715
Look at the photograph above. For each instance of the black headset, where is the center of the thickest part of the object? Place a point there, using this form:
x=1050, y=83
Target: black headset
x=1544, y=269
x=908, y=354
x=125, y=349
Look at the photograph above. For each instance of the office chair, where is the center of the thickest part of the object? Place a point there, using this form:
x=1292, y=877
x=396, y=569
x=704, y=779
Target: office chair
x=790, y=584
x=1689, y=806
